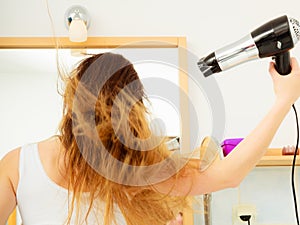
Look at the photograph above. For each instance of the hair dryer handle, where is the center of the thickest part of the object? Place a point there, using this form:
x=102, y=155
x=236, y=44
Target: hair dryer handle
x=282, y=63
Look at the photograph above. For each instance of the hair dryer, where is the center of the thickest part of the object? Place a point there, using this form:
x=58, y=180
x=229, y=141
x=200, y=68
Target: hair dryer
x=273, y=39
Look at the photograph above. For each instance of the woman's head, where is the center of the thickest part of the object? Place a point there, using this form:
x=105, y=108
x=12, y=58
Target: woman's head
x=108, y=74
x=109, y=148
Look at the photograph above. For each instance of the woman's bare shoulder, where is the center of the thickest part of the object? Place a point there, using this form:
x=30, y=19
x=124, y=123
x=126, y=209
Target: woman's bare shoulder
x=9, y=166
x=10, y=160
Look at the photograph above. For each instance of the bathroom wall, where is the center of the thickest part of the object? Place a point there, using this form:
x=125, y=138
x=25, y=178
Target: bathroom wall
x=246, y=90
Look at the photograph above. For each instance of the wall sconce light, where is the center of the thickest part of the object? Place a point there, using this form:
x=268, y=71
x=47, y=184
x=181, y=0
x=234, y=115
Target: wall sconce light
x=77, y=22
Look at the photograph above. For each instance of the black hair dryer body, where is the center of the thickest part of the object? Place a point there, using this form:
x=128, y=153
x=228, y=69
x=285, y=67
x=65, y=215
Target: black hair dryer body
x=273, y=39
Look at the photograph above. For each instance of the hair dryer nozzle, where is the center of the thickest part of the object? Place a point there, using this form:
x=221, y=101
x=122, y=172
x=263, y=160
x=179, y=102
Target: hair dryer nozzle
x=208, y=65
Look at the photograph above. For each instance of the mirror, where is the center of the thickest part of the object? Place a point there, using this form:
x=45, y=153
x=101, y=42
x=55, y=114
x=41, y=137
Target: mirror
x=31, y=106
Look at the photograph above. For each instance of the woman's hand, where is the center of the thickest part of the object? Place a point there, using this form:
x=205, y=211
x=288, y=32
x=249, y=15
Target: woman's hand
x=287, y=88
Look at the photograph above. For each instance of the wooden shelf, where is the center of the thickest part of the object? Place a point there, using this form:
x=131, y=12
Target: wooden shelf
x=92, y=42
x=273, y=157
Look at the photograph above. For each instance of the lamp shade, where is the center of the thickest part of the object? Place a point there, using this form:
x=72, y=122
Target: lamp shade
x=77, y=30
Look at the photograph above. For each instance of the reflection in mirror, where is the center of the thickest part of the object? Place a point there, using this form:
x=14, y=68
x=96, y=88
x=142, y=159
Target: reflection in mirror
x=31, y=107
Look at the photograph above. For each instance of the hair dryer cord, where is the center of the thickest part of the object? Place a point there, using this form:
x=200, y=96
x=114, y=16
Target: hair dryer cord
x=293, y=167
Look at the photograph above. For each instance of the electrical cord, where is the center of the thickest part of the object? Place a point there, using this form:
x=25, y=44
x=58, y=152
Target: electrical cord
x=293, y=167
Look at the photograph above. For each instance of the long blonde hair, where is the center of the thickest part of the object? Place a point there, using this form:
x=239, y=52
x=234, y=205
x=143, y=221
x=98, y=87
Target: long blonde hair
x=110, y=151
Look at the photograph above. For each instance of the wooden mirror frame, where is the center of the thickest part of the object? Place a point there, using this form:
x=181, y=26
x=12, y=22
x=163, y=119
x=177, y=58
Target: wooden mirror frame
x=119, y=42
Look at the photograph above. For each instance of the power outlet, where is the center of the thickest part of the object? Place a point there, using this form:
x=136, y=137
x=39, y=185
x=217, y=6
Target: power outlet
x=242, y=210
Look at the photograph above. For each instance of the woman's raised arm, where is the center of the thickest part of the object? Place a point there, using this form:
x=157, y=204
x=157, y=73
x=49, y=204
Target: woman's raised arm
x=230, y=171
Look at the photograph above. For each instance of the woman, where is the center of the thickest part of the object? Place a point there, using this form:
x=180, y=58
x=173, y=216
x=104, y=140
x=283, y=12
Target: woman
x=106, y=167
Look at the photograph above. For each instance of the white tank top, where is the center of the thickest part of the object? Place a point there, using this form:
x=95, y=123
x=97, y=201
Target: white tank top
x=43, y=202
